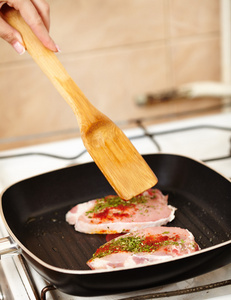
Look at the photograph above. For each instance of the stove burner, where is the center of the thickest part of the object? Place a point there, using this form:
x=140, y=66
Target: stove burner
x=152, y=136
x=181, y=292
x=158, y=295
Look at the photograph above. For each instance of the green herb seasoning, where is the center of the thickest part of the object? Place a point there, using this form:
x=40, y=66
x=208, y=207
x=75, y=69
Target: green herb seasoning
x=115, y=202
x=137, y=244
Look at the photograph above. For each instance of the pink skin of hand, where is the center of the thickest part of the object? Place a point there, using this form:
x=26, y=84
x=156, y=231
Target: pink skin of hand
x=36, y=13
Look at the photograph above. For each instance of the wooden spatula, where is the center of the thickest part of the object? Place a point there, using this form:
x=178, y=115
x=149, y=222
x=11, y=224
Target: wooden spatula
x=122, y=165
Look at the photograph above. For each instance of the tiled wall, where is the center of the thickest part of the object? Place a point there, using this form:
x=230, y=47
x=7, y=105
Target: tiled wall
x=114, y=50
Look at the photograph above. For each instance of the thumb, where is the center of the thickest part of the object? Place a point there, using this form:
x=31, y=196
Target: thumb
x=12, y=36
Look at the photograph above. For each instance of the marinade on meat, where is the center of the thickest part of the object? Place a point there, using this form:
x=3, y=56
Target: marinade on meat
x=114, y=215
x=142, y=247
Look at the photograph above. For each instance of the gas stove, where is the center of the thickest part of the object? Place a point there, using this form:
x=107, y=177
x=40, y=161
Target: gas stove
x=206, y=138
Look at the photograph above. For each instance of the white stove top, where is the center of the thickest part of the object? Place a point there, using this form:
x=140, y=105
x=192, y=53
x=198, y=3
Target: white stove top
x=206, y=138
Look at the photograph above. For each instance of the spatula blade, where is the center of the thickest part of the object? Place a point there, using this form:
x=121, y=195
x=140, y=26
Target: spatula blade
x=119, y=161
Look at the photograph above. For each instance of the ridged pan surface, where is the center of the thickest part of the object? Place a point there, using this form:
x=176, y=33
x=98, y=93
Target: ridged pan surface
x=34, y=211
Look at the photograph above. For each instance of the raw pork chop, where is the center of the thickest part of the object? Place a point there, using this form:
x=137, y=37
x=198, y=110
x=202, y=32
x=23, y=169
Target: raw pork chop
x=147, y=246
x=113, y=215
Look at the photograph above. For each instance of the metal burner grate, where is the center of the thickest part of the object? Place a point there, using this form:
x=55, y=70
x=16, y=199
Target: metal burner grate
x=152, y=136
x=180, y=292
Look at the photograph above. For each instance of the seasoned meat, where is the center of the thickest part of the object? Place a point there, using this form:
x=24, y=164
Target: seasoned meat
x=143, y=247
x=113, y=215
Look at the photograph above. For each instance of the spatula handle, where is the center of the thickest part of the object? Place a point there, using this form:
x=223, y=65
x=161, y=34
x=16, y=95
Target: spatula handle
x=52, y=67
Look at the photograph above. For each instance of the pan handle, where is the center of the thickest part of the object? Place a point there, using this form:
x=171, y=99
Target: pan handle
x=7, y=246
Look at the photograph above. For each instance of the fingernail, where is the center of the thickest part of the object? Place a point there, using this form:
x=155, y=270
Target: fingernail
x=58, y=49
x=19, y=48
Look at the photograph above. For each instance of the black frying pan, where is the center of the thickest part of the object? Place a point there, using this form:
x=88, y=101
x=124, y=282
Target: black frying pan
x=34, y=213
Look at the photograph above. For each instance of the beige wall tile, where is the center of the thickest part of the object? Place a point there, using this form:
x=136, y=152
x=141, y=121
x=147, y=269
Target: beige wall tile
x=31, y=105
x=96, y=24
x=8, y=54
x=196, y=60
x=188, y=17
x=86, y=25
x=112, y=80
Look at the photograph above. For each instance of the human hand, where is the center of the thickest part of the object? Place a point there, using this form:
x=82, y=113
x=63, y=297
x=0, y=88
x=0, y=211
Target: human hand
x=36, y=13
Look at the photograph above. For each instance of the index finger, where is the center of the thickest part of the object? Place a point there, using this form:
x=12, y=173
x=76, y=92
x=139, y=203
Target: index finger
x=44, y=11
x=32, y=17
